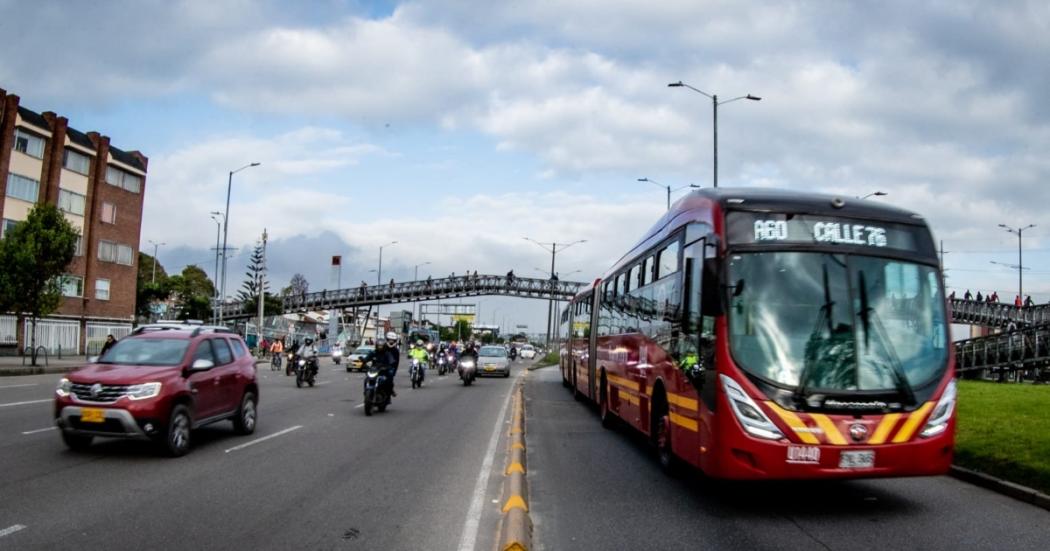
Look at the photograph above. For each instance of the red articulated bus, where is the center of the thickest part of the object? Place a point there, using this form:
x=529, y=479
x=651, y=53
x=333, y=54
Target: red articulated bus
x=762, y=334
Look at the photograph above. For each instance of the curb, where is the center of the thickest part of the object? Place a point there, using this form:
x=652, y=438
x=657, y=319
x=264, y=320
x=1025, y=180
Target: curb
x=1005, y=487
x=515, y=524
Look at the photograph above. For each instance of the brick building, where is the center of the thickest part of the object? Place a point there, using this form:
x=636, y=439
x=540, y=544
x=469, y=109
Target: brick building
x=100, y=190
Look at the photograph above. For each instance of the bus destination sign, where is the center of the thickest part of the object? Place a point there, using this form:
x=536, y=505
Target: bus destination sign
x=762, y=228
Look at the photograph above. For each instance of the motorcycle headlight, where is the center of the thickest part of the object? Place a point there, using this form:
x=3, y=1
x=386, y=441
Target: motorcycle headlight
x=302, y=362
x=942, y=413
x=337, y=353
x=64, y=387
x=467, y=363
x=143, y=391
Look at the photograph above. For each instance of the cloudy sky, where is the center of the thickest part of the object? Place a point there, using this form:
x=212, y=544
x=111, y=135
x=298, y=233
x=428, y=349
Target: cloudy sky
x=456, y=128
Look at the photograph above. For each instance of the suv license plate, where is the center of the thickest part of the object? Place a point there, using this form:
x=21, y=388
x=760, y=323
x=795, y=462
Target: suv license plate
x=857, y=459
x=92, y=415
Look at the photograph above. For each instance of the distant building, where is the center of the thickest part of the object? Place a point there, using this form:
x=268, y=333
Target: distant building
x=100, y=189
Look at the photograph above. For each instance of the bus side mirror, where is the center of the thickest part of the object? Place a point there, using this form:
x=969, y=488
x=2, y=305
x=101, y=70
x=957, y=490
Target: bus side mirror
x=738, y=287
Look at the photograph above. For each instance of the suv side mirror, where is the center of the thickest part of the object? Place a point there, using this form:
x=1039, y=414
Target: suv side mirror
x=201, y=365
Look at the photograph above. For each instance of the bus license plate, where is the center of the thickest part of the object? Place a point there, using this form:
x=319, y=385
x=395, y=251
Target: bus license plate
x=92, y=415
x=857, y=459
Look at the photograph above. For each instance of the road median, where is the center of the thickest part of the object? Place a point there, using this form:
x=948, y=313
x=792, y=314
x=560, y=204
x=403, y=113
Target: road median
x=515, y=524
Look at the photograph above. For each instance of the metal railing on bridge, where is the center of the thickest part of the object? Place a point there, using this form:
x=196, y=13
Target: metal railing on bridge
x=1021, y=349
x=412, y=291
x=997, y=314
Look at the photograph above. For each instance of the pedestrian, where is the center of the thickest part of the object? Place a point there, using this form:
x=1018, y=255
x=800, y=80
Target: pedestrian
x=264, y=347
x=994, y=297
x=968, y=295
x=1017, y=301
x=1028, y=302
x=951, y=296
x=110, y=341
x=979, y=297
x=391, y=284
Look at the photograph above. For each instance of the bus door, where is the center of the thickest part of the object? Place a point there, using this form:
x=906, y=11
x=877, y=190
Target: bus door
x=695, y=352
x=592, y=342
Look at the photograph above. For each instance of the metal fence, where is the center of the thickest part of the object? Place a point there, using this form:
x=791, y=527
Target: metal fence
x=997, y=314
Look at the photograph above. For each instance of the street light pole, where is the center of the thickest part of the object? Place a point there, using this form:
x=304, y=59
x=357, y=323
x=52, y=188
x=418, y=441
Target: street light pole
x=1020, y=264
x=874, y=193
x=669, y=190
x=156, y=245
x=215, y=296
x=226, y=230
x=714, y=106
x=554, y=251
x=379, y=272
x=415, y=277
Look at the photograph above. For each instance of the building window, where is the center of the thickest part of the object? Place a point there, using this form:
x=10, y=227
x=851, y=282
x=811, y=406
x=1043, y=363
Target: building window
x=72, y=286
x=30, y=144
x=109, y=213
x=122, y=179
x=76, y=161
x=7, y=226
x=107, y=251
x=124, y=255
x=102, y=289
x=79, y=251
x=73, y=203
x=20, y=187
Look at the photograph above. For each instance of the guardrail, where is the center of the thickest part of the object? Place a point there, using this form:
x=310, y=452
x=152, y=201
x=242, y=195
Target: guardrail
x=413, y=291
x=997, y=314
x=1025, y=348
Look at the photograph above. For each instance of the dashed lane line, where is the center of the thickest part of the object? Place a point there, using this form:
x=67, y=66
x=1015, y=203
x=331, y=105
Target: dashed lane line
x=19, y=386
x=264, y=438
x=24, y=403
x=39, y=430
x=11, y=530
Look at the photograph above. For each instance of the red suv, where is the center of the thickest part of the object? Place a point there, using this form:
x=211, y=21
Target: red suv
x=158, y=384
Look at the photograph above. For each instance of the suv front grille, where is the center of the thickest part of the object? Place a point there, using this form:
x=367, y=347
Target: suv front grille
x=109, y=393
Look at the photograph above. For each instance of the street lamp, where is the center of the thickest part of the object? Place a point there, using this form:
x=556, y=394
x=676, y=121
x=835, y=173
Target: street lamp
x=379, y=272
x=554, y=251
x=875, y=193
x=226, y=228
x=415, y=277
x=669, y=190
x=1020, y=264
x=156, y=245
x=714, y=105
x=218, y=218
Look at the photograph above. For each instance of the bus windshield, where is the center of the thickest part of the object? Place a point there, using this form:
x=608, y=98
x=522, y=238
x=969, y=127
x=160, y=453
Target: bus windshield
x=835, y=322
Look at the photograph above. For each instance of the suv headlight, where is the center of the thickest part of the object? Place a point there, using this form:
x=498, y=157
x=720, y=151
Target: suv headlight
x=748, y=413
x=143, y=391
x=65, y=387
x=942, y=413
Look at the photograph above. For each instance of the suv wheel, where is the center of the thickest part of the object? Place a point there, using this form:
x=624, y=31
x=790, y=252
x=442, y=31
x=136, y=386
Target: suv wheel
x=177, y=437
x=76, y=442
x=244, y=422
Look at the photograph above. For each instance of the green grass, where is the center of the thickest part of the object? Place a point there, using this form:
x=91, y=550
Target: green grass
x=1004, y=431
x=550, y=359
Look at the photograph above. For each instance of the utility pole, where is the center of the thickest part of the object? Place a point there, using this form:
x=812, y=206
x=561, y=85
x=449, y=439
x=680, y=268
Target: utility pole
x=262, y=295
x=1020, y=264
x=156, y=245
x=550, y=302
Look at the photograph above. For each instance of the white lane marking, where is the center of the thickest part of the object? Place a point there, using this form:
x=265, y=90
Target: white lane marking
x=469, y=538
x=322, y=383
x=264, y=438
x=20, y=386
x=24, y=403
x=39, y=430
x=11, y=530
x=359, y=406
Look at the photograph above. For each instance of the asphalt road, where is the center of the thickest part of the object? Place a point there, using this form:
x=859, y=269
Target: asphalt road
x=326, y=478
x=592, y=488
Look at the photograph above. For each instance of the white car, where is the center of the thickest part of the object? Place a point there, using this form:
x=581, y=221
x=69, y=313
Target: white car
x=528, y=352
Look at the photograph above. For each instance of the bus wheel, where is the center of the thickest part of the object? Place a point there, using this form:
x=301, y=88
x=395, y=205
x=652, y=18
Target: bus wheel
x=608, y=420
x=661, y=437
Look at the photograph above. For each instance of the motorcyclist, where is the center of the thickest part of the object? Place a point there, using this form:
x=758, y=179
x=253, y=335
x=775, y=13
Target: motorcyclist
x=386, y=357
x=419, y=353
x=308, y=352
x=513, y=353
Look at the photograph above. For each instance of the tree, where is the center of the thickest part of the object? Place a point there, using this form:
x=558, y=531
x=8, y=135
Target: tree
x=193, y=293
x=272, y=304
x=148, y=291
x=34, y=255
x=250, y=287
x=458, y=331
x=297, y=287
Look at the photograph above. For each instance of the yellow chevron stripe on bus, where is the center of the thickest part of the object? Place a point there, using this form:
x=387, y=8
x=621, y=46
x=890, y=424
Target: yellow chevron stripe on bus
x=885, y=427
x=683, y=402
x=830, y=430
x=627, y=383
x=684, y=422
x=909, y=426
x=793, y=421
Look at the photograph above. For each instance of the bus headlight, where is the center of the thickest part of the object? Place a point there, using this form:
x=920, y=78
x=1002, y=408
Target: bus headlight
x=748, y=413
x=942, y=413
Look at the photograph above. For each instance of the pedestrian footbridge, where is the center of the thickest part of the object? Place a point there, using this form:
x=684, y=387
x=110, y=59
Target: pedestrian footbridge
x=1022, y=345
x=414, y=291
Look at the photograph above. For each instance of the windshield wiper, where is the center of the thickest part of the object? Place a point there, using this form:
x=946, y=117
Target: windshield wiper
x=825, y=314
x=868, y=317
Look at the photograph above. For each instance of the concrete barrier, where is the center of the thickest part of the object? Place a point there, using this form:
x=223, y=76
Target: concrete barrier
x=515, y=523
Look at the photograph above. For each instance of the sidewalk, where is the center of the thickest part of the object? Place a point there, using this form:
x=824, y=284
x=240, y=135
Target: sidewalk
x=12, y=365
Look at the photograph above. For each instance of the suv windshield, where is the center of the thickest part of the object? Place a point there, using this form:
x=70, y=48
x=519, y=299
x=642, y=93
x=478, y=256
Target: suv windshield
x=152, y=351
x=363, y=351
x=837, y=322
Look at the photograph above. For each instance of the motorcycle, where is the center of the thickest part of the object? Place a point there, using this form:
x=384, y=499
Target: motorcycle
x=513, y=354
x=337, y=355
x=376, y=389
x=289, y=366
x=417, y=372
x=468, y=370
x=305, y=371
x=442, y=365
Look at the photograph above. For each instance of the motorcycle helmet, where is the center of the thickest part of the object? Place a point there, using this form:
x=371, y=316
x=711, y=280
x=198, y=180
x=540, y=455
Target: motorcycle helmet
x=391, y=336
x=419, y=342
x=308, y=341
